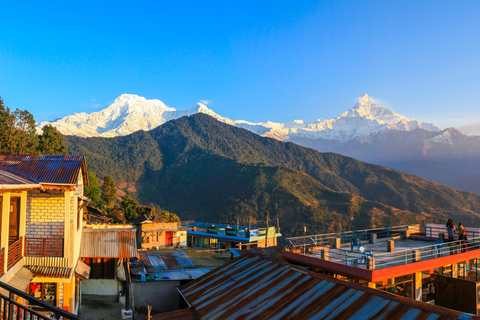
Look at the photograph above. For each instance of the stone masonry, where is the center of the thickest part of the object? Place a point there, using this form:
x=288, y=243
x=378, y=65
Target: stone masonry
x=45, y=214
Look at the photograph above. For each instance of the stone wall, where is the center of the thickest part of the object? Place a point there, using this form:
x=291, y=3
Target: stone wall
x=45, y=214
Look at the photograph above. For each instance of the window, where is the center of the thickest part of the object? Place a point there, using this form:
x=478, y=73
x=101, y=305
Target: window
x=101, y=268
x=44, y=291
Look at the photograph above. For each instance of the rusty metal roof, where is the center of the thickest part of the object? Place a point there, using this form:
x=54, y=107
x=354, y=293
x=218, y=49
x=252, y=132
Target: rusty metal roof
x=54, y=169
x=11, y=180
x=50, y=272
x=259, y=286
x=109, y=243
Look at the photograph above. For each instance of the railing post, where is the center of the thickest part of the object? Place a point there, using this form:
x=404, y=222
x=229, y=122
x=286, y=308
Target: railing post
x=44, y=247
x=11, y=306
x=346, y=257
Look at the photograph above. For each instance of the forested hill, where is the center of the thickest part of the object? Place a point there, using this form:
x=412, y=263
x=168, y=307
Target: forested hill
x=201, y=168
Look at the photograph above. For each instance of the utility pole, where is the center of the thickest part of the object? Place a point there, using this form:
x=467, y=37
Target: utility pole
x=266, y=233
x=304, y=229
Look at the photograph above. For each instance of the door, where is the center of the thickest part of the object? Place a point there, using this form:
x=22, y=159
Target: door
x=169, y=238
x=14, y=220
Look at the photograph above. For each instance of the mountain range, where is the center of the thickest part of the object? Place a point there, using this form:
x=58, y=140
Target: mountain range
x=201, y=168
x=368, y=132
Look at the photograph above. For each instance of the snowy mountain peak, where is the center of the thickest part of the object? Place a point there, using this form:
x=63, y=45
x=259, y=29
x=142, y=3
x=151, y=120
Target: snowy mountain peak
x=130, y=113
x=364, y=101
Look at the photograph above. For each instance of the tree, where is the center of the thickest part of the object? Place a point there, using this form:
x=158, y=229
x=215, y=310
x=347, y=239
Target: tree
x=25, y=132
x=18, y=134
x=51, y=141
x=109, y=191
x=166, y=216
x=130, y=207
x=93, y=191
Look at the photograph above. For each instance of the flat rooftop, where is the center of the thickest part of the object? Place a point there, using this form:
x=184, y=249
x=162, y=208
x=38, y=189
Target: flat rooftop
x=387, y=247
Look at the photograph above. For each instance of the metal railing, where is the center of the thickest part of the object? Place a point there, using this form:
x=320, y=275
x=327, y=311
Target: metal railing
x=14, y=252
x=374, y=261
x=434, y=232
x=346, y=236
x=43, y=247
x=10, y=309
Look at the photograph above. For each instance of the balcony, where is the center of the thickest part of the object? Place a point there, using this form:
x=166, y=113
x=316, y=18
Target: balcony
x=43, y=247
x=10, y=309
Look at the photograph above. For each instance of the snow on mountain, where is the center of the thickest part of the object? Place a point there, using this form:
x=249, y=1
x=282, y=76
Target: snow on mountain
x=130, y=113
x=366, y=117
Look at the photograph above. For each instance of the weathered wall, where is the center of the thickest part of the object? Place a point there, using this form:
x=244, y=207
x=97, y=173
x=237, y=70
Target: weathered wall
x=45, y=214
x=102, y=287
x=162, y=296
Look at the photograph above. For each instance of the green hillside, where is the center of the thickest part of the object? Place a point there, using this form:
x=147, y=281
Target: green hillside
x=200, y=168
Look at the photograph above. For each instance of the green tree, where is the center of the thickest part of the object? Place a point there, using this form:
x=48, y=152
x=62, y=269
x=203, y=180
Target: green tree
x=18, y=134
x=109, y=191
x=130, y=207
x=166, y=216
x=93, y=191
x=25, y=132
x=51, y=141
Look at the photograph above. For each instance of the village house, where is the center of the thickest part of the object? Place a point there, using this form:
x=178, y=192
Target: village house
x=107, y=248
x=155, y=235
x=208, y=235
x=41, y=205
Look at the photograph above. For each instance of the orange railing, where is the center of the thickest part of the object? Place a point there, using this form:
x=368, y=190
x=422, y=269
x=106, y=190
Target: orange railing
x=2, y=259
x=14, y=252
x=43, y=247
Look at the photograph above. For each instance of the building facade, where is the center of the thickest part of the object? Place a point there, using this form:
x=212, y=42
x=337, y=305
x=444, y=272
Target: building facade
x=41, y=207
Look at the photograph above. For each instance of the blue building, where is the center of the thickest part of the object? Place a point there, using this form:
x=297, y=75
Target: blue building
x=205, y=235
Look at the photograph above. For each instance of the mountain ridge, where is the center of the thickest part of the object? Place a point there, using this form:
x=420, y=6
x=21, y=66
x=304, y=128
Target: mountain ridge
x=207, y=162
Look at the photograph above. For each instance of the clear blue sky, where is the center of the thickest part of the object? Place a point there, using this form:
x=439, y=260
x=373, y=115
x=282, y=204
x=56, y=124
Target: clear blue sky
x=257, y=61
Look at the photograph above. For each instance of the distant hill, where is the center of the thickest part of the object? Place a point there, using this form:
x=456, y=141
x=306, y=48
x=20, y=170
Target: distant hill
x=198, y=167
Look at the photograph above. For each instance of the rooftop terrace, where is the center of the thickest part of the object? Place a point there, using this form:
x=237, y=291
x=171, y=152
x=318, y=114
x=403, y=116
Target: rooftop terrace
x=382, y=248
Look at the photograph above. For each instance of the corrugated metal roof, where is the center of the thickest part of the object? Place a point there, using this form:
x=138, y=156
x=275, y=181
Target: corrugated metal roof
x=50, y=272
x=183, y=260
x=8, y=177
x=259, y=286
x=176, y=260
x=109, y=243
x=55, y=169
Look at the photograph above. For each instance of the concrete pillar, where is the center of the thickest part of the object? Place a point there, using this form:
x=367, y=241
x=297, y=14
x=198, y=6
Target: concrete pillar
x=454, y=270
x=5, y=227
x=417, y=289
x=324, y=253
x=370, y=263
x=416, y=256
x=338, y=243
x=390, y=246
x=373, y=238
x=23, y=219
x=67, y=246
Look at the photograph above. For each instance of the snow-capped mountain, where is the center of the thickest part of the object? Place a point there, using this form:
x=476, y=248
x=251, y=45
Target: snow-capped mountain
x=130, y=113
x=367, y=132
x=366, y=117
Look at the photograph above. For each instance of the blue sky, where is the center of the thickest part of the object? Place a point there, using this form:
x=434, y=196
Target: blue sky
x=257, y=61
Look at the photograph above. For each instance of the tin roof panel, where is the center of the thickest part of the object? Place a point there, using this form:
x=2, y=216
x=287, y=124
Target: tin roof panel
x=54, y=169
x=258, y=285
